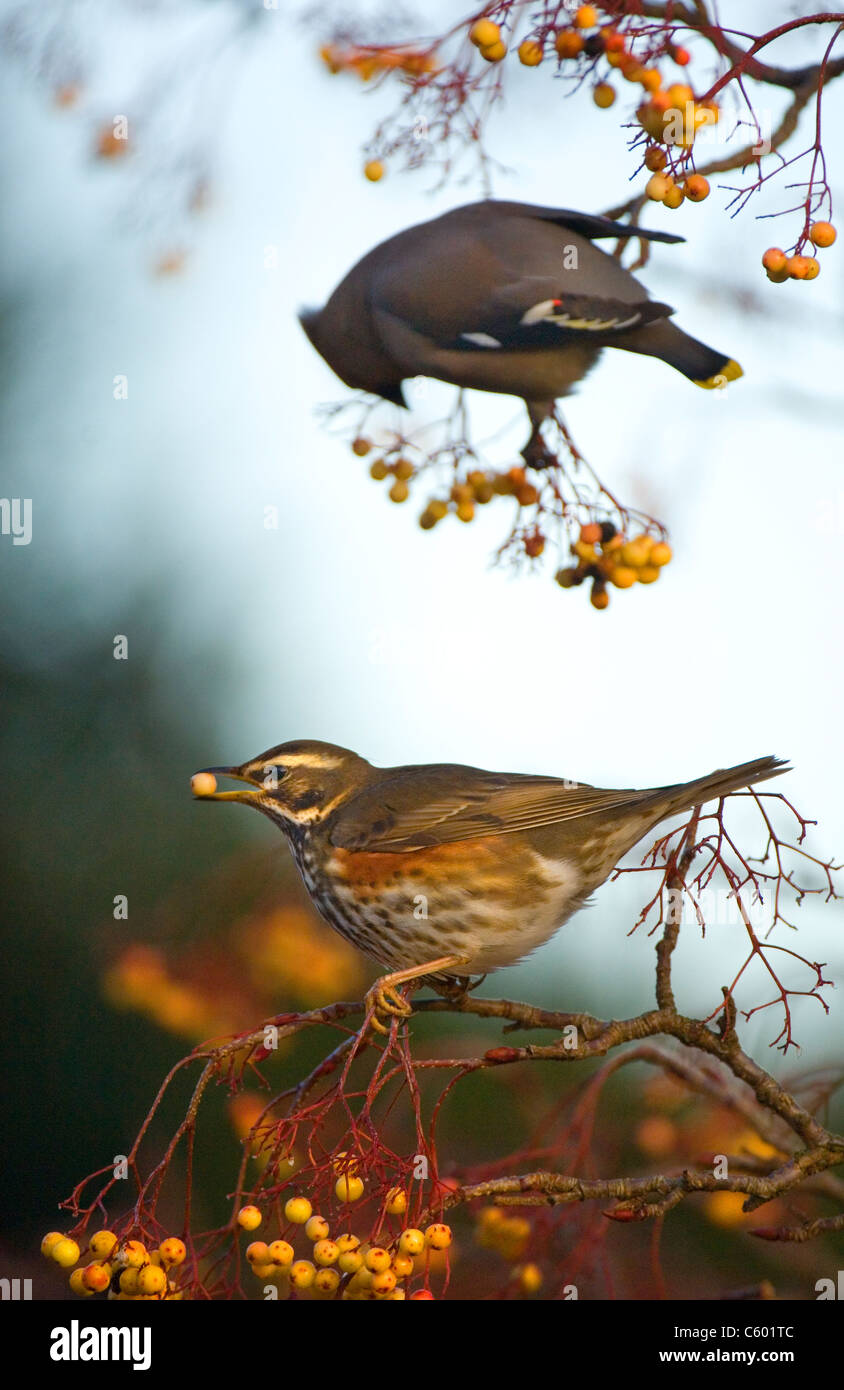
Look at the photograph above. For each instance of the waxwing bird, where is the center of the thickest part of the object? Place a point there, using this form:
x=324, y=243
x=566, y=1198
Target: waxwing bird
x=502, y=297
x=441, y=871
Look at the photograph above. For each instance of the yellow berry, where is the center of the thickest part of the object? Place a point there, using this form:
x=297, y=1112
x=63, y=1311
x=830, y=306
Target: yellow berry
x=465, y=511
x=660, y=553
x=813, y=268
x=348, y=1188
x=65, y=1252
x=674, y=197
x=298, y=1210
x=411, y=1241
x=50, y=1242
x=623, y=576
x=483, y=33
x=377, y=1258
x=603, y=95
x=281, y=1253
x=438, y=1236
x=402, y=1265
x=326, y=1252
x=822, y=234
x=172, y=1250
x=264, y=1269
x=399, y=492
x=258, y=1253
x=396, y=1201
x=151, y=1280
x=530, y=53
x=346, y=1243
x=378, y=470
x=350, y=1261
x=249, y=1218
x=129, y=1281
x=384, y=1281
x=636, y=552
x=373, y=170
x=302, y=1274
x=316, y=1228
x=657, y=186
x=78, y=1285
x=648, y=574
x=403, y=469
x=326, y=1282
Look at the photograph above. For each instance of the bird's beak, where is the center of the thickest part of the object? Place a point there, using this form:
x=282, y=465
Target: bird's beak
x=204, y=785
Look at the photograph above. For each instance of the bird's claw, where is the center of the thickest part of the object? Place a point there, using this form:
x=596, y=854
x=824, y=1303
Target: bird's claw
x=385, y=999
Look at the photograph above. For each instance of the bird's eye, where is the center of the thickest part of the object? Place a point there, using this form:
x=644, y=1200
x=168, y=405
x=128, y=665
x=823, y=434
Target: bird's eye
x=273, y=774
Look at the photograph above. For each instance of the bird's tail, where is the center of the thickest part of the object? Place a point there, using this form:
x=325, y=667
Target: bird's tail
x=687, y=794
x=701, y=364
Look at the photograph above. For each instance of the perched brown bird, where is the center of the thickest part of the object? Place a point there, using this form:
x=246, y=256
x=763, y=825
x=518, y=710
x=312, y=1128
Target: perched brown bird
x=501, y=297
x=446, y=871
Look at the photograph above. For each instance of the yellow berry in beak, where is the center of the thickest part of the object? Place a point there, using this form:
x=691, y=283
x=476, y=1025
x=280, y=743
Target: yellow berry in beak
x=203, y=784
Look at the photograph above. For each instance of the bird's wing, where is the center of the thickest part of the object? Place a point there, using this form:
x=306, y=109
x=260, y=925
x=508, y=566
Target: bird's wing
x=439, y=805
x=497, y=276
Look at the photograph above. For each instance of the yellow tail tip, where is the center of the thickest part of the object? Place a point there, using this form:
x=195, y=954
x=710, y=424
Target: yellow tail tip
x=731, y=371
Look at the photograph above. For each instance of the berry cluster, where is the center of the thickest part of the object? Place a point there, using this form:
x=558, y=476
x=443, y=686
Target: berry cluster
x=606, y=556
x=344, y=1265
x=125, y=1269
x=780, y=266
x=473, y=489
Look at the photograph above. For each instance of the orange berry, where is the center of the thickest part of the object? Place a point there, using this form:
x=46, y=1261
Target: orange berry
x=661, y=554
x=96, y=1278
x=822, y=233
x=798, y=267
x=529, y=1278
x=623, y=577
x=399, y=492
x=373, y=170
x=775, y=259
x=78, y=1285
x=586, y=17
x=613, y=42
x=814, y=268
x=696, y=187
x=258, y=1253
x=648, y=574
x=590, y=533
x=530, y=53
x=681, y=56
x=599, y=598
x=651, y=79
x=465, y=511
x=484, y=32
x=534, y=546
x=655, y=159
x=674, y=197
x=249, y=1218
x=526, y=495
x=568, y=44
x=361, y=446
x=420, y=1295
x=636, y=552
x=603, y=95
x=494, y=52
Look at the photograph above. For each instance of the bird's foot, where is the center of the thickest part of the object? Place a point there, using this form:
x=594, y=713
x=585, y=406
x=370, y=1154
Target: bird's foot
x=384, y=999
x=458, y=988
x=536, y=452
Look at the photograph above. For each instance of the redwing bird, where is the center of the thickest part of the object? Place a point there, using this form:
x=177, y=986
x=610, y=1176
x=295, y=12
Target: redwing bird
x=443, y=871
x=501, y=297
